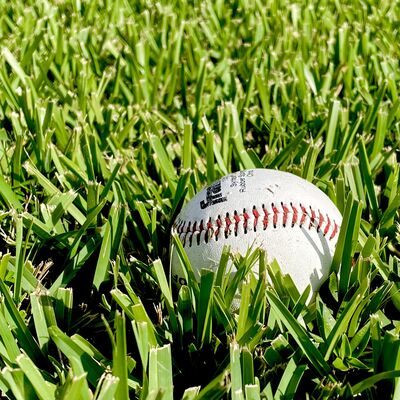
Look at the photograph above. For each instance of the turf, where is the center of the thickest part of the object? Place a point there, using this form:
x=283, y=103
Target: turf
x=112, y=116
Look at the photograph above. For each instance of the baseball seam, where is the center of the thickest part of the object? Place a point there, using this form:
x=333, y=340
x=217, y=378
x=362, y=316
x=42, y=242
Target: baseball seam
x=277, y=215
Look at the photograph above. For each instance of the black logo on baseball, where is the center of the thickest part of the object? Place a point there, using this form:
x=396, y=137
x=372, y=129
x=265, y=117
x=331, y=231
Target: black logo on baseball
x=213, y=196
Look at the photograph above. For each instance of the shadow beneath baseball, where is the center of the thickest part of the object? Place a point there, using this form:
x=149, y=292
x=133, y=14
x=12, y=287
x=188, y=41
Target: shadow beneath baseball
x=325, y=257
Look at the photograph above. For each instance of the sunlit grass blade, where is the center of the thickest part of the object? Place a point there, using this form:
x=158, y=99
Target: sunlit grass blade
x=75, y=387
x=204, y=307
x=14, y=64
x=101, y=273
x=184, y=311
x=8, y=195
x=162, y=160
x=20, y=248
x=166, y=291
x=191, y=393
x=348, y=248
x=288, y=150
x=108, y=388
x=341, y=324
x=187, y=146
x=53, y=190
x=237, y=139
x=135, y=312
x=80, y=361
x=17, y=384
x=4, y=261
x=346, y=224
x=290, y=380
x=141, y=335
x=8, y=340
x=299, y=335
x=332, y=135
x=43, y=317
x=187, y=268
x=236, y=372
x=367, y=176
x=119, y=357
x=44, y=390
x=160, y=372
x=252, y=392
x=309, y=165
x=22, y=333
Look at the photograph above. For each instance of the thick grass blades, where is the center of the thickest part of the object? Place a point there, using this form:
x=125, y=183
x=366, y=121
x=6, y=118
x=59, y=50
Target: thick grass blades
x=309, y=349
x=44, y=390
x=107, y=129
x=160, y=373
x=22, y=333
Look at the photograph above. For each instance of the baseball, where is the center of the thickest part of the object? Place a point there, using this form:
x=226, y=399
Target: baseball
x=287, y=216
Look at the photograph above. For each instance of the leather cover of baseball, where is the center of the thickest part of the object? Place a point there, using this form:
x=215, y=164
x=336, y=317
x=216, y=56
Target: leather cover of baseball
x=287, y=216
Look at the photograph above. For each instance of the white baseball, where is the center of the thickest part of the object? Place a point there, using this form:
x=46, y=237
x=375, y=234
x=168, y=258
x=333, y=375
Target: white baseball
x=287, y=216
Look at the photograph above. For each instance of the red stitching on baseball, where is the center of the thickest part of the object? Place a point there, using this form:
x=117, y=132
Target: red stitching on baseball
x=201, y=229
x=303, y=215
x=193, y=231
x=219, y=225
x=294, y=219
x=246, y=217
x=187, y=229
x=275, y=217
x=320, y=221
x=237, y=220
x=335, y=231
x=210, y=230
x=265, y=220
x=188, y=232
x=312, y=218
x=256, y=216
x=285, y=215
x=228, y=223
x=328, y=225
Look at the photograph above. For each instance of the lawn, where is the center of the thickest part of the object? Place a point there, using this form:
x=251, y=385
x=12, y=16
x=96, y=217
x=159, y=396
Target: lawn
x=113, y=114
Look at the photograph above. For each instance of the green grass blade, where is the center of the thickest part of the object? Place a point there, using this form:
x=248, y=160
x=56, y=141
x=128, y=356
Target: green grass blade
x=160, y=372
x=290, y=380
x=8, y=339
x=75, y=387
x=236, y=372
x=25, y=339
x=342, y=324
x=367, y=176
x=135, y=312
x=81, y=362
x=373, y=380
x=166, y=291
x=108, y=388
x=44, y=390
x=191, y=393
x=299, y=335
x=204, y=307
x=19, y=259
x=9, y=196
x=120, y=357
x=187, y=145
x=332, y=135
x=103, y=262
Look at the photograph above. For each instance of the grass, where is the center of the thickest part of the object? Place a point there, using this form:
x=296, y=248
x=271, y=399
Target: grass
x=112, y=115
